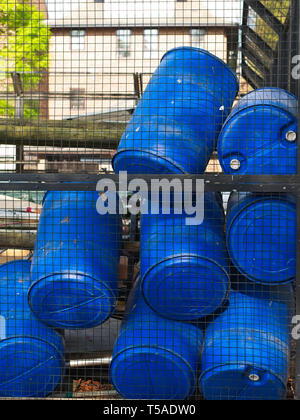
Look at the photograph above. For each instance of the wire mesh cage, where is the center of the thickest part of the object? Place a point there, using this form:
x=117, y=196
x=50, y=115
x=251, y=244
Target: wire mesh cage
x=148, y=199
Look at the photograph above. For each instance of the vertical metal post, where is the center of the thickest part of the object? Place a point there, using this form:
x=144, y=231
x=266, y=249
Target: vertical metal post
x=19, y=114
x=297, y=361
x=297, y=358
x=293, y=44
x=132, y=238
x=19, y=107
x=137, y=90
x=18, y=88
x=141, y=84
x=283, y=61
x=19, y=159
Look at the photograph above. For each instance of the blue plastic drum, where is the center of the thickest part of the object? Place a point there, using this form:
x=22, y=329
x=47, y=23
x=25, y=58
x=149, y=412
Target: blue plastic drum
x=261, y=236
x=31, y=354
x=246, y=349
x=154, y=358
x=184, y=267
x=76, y=261
x=260, y=135
x=177, y=122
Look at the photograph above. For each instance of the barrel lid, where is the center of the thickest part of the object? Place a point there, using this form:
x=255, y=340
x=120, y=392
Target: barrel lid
x=202, y=51
x=271, y=223
x=274, y=97
x=152, y=373
x=71, y=300
x=240, y=381
x=138, y=161
x=35, y=374
x=185, y=287
x=10, y=269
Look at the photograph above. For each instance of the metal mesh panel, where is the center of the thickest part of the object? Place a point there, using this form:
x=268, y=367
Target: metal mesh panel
x=148, y=199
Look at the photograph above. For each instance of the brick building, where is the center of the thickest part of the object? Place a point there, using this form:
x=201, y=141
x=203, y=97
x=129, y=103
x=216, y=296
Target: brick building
x=99, y=46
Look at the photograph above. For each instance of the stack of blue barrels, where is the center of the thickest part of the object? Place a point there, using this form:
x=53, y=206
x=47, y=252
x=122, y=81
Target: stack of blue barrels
x=31, y=353
x=71, y=283
x=154, y=357
x=183, y=268
x=211, y=307
x=75, y=264
x=183, y=299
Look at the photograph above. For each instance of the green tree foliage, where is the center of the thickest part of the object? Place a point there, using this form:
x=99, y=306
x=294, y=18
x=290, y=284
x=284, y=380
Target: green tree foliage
x=280, y=9
x=24, y=48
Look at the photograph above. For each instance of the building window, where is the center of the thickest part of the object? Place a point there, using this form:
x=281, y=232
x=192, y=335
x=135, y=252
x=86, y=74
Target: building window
x=197, y=38
x=252, y=19
x=99, y=1
x=77, y=39
x=123, y=42
x=151, y=43
x=77, y=99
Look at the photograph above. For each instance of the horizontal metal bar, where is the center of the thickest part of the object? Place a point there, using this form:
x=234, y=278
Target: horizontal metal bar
x=130, y=25
x=93, y=395
x=85, y=178
x=62, y=95
x=104, y=395
x=87, y=182
x=266, y=15
x=75, y=73
x=98, y=361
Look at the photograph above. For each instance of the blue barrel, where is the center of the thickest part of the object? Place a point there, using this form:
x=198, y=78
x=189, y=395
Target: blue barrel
x=154, y=358
x=260, y=135
x=183, y=267
x=246, y=349
x=176, y=123
x=261, y=236
x=76, y=260
x=31, y=354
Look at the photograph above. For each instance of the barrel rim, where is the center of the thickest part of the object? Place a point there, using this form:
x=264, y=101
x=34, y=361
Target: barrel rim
x=203, y=51
x=39, y=339
x=227, y=126
x=237, y=109
x=234, y=113
x=146, y=153
x=175, y=257
x=27, y=262
x=242, y=365
x=228, y=240
x=19, y=260
x=82, y=276
x=217, y=335
x=60, y=362
x=272, y=88
x=178, y=356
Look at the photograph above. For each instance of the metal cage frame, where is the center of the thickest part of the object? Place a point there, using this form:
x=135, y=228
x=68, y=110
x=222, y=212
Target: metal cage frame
x=289, y=45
